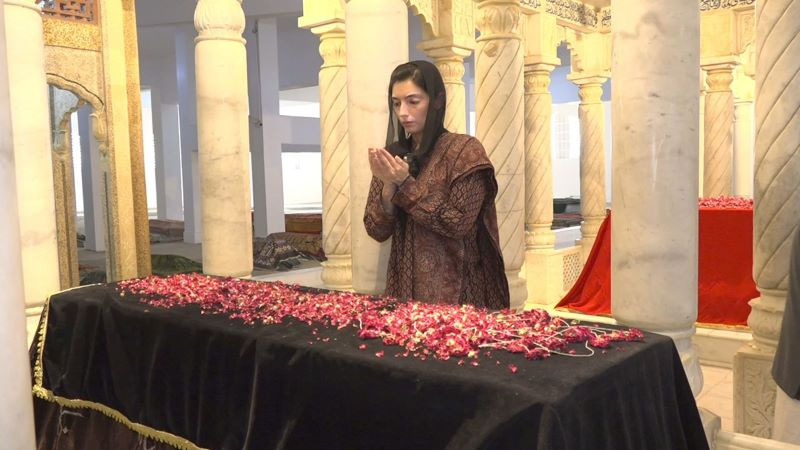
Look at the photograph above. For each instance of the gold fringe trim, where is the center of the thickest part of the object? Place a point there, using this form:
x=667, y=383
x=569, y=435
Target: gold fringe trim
x=45, y=394
x=144, y=430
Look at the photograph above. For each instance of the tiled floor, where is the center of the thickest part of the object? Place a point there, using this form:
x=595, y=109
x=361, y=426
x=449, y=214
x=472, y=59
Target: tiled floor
x=717, y=394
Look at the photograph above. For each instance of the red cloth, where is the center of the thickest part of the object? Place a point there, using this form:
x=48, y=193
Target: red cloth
x=725, y=270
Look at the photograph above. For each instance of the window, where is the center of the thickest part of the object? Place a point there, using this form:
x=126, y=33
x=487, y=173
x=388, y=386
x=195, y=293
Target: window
x=565, y=132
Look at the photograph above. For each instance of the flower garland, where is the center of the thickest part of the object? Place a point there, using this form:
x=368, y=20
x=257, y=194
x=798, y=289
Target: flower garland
x=726, y=202
x=423, y=330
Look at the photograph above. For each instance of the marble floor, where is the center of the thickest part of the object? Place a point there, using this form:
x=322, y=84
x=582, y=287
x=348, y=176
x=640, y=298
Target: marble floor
x=717, y=394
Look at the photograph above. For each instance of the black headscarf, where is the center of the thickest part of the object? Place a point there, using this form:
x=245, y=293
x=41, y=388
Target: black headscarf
x=426, y=76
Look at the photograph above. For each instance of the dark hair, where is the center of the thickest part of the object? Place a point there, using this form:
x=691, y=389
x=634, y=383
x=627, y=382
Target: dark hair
x=425, y=75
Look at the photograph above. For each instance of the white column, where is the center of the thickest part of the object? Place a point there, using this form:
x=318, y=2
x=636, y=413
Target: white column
x=92, y=176
x=591, y=113
x=158, y=147
x=501, y=128
x=166, y=137
x=655, y=110
x=337, y=271
x=368, y=71
x=187, y=100
x=222, y=125
x=743, y=146
x=787, y=416
x=777, y=209
x=718, y=129
x=469, y=89
x=701, y=150
x=538, y=159
x=16, y=418
x=160, y=73
x=449, y=60
x=267, y=129
x=32, y=149
x=171, y=162
x=544, y=266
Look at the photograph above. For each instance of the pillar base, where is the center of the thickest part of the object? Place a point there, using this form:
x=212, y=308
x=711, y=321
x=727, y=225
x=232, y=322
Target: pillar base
x=753, y=392
x=541, y=237
x=711, y=425
x=550, y=274
x=787, y=416
x=337, y=273
x=689, y=359
x=765, y=319
x=517, y=289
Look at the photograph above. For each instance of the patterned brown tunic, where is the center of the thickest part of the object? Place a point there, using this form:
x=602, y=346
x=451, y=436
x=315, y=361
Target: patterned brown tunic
x=445, y=245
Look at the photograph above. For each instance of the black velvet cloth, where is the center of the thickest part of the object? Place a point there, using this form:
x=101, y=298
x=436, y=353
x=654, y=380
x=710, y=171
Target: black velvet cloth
x=64, y=428
x=225, y=385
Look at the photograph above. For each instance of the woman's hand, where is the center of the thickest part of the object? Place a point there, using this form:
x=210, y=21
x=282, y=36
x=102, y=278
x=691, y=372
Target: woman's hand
x=387, y=168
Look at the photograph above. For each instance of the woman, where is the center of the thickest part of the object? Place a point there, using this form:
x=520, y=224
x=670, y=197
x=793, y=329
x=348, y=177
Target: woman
x=433, y=192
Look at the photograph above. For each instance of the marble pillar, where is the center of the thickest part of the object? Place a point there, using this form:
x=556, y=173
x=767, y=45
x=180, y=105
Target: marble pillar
x=267, y=138
x=368, y=71
x=187, y=104
x=655, y=133
x=62, y=105
x=133, y=87
x=16, y=418
x=337, y=271
x=538, y=159
x=92, y=176
x=166, y=137
x=224, y=150
x=30, y=126
x=544, y=267
x=499, y=108
x=450, y=62
x=591, y=114
x=777, y=209
x=701, y=150
x=115, y=128
x=718, y=130
x=743, y=145
x=787, y=416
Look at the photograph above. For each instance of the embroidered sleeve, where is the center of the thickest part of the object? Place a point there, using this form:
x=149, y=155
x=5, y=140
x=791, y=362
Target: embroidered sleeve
x=379, y=224
x=450, y=214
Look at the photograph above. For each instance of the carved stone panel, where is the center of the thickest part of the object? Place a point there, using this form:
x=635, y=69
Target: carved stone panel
x=754, y=393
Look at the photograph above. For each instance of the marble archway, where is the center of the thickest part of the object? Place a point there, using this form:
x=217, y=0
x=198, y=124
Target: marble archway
x=67, y=97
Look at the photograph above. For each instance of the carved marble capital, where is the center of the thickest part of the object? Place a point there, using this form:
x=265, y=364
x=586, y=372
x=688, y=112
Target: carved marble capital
x=590, y=92
x=452, y=69
x=498, y=19
x=537, y=82
x=99, y=130
x=332, y=49
x=219, y=20
x=720, y=77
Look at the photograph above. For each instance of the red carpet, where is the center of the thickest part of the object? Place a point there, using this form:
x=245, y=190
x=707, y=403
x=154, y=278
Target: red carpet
x=725, y=270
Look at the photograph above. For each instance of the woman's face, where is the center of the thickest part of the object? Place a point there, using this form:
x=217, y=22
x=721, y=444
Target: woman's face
x=410, y=104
